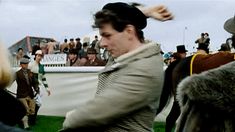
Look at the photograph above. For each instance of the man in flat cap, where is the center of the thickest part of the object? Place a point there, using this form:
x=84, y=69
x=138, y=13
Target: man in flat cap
x=73, y=59
x=93, y=60
x=130, y=84
x=25, y=84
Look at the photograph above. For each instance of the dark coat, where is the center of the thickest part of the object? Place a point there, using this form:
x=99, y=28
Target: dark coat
x=23, y=88
x=12, y=110
x=207, y=101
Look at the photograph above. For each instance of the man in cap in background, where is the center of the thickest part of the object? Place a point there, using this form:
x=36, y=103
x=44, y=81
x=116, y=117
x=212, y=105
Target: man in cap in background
x=73, y=59
x=129, y=86
x=25, y=84
x=92, y=58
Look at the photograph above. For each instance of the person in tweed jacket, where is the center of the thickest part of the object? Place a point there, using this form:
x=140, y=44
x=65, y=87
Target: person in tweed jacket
x=130, y=84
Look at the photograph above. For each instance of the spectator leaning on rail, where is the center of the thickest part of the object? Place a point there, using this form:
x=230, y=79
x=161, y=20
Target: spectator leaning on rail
x=93, y=60
x=130, y=85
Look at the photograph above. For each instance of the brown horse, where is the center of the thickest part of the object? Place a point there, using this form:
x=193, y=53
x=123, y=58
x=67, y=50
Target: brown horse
x=179, y=70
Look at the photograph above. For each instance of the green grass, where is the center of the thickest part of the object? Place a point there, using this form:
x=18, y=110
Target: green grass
x=48, y=124
x=54, y=123
x=159, y=126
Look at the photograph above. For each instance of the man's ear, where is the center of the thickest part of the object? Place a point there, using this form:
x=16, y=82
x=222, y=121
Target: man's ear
x=130, y=31
x=130, y=28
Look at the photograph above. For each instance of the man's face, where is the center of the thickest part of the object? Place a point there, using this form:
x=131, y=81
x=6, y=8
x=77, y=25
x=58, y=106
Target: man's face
x=20, y=51
x=91, y=56
x=182, y=55
x=24, y=66
x=39, y=57
x=115, y=42
x=72, y=56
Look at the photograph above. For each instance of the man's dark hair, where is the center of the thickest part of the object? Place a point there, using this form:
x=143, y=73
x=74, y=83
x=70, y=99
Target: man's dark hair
x=20, y=49
x=26, y=56
x=108, y=17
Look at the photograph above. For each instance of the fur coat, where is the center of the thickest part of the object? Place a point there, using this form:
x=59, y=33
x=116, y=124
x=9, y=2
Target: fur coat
x=207, y=101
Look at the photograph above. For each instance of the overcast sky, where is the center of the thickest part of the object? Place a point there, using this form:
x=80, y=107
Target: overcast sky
x=73, y=18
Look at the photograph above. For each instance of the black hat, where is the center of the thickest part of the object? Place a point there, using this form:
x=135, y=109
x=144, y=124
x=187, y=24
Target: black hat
x=181, y=49
x=128, y=13
x=202, y=47
x=24, y=61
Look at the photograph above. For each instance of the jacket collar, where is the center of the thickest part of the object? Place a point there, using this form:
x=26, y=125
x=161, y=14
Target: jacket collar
x=147, y=50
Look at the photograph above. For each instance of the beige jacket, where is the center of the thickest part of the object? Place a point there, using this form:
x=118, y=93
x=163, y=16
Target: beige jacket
x=127, y=94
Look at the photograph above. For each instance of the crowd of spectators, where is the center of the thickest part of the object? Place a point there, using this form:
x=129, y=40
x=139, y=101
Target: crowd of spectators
x=76, y=51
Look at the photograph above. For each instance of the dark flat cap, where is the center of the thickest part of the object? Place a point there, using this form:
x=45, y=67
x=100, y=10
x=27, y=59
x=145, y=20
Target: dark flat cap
x=24, y=61
x=129, y=13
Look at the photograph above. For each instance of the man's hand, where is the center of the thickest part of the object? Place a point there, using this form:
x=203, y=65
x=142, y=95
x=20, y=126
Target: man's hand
x=158, y=12
x=48, y=91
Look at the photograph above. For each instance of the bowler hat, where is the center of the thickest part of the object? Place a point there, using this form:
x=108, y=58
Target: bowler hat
x=91, y=51
x=202, y=47
x=229, y=25
x=128, y=13
x=181, y=49
x=24, y=61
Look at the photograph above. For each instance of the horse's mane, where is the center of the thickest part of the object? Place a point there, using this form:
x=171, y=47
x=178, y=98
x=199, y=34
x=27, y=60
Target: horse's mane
x=179, y=68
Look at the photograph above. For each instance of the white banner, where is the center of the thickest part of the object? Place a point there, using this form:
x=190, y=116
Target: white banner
x=54, y=59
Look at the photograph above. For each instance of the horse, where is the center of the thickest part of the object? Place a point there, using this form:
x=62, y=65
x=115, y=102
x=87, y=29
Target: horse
x=179, y=70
